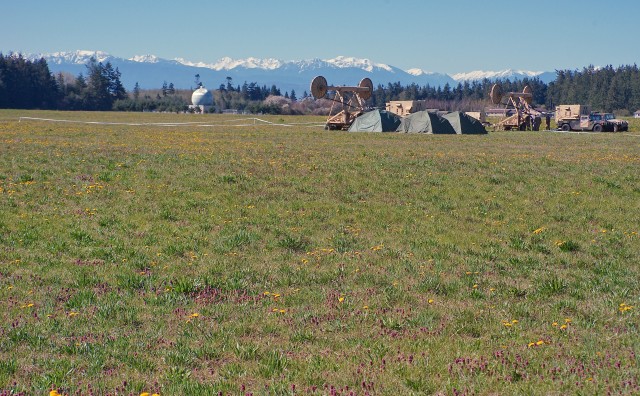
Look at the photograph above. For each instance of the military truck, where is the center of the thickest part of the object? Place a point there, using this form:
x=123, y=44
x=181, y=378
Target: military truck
x=581, y=118
x=618, y=125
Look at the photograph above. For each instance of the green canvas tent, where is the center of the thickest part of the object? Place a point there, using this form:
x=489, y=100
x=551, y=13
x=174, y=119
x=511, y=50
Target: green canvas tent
x=425, y=122
x=376, y=121
x=464, y=124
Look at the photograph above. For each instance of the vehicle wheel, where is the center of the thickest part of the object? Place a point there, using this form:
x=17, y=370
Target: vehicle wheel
x=565, y=127
x=597, y=128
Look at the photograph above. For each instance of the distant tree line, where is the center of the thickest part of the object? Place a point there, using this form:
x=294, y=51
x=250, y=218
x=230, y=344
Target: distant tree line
x=607, y=88
x=166, y=99
x=463, y=96
x=26, y=84
x=246, y=97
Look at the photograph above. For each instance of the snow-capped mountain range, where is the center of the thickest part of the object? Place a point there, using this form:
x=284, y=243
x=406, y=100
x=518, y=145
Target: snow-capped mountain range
x=149, y=71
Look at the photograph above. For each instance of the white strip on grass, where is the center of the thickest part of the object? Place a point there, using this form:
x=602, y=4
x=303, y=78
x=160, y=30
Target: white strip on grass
x=226, y=123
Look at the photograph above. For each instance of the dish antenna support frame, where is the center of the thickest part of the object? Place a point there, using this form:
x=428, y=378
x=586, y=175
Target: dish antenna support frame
x=348, y=101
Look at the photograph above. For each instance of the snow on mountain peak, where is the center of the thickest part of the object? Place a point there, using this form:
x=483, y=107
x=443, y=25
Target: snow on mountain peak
x=418, y=72
x=145, y=59
x=480, y=75
x=78, y=57
x=364, y=64
x=227, y=63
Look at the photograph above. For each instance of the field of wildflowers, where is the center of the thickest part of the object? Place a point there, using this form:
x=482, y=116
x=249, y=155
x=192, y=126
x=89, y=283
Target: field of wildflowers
x=186, y=260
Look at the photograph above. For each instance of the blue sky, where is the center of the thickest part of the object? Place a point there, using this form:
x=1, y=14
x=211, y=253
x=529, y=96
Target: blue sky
x=446, y=36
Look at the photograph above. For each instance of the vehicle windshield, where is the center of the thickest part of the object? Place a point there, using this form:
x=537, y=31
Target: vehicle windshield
x=609, y=116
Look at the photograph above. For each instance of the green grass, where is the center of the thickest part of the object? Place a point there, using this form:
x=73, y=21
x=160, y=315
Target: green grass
x=293, y=260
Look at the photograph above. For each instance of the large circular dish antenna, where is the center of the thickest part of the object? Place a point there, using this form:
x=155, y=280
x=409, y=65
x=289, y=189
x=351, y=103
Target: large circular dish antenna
x=319, y=87
x=496, y=94
x=366, y=83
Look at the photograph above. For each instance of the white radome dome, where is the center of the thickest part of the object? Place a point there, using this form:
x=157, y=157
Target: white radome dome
x=202, y=97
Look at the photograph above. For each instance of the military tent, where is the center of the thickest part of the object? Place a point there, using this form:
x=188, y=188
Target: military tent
x=464, y=124
x=425, y=122
x=375, y=121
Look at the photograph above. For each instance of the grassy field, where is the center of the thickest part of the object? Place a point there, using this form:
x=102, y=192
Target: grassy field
x=185, y=260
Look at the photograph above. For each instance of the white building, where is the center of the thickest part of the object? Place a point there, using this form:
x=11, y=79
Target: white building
x=202, y=100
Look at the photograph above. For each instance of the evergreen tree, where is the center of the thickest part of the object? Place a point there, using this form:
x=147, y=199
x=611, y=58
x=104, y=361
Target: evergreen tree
x=165, y=87
x=103, y=86
x=116, y=89
x=81, y=83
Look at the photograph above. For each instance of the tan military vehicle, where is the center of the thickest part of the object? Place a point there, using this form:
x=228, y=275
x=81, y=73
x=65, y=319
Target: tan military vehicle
x=405, y=107
x=581, y=118
x=618, y=124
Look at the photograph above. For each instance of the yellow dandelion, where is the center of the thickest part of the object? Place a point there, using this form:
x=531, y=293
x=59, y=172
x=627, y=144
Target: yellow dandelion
x=515, y=321
x=282, y=311
x=54, y=392
x=475, y=286
x=194, y=315
x=531, y=344
x=563, y=327
x=365, y=307
x=541, y=342
x=554, y=324
x=341, y=299
x=538, y=230
x=430, y=301
x=145, y=394
x=624, y=307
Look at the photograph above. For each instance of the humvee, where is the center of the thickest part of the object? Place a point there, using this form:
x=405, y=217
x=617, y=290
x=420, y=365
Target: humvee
x=618, y=125
x=580, y=118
